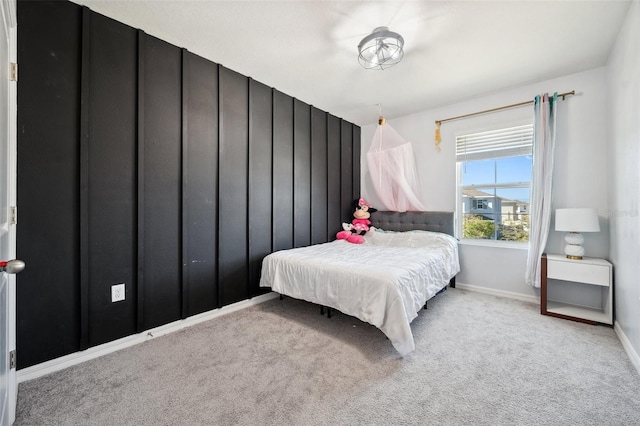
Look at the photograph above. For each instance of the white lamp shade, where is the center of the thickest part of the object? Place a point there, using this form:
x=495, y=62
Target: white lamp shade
x=577, y=220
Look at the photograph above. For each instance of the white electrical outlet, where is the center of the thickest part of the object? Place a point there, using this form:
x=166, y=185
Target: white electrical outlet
x=117, y=292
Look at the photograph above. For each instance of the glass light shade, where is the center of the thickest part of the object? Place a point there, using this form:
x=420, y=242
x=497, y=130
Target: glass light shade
x=380, y=49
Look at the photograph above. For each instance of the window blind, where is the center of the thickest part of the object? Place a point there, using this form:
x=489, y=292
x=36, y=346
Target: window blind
x=508, y=142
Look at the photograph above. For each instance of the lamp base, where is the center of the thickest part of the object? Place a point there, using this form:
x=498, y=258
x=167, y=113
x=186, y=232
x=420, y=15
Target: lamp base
x=573, y=249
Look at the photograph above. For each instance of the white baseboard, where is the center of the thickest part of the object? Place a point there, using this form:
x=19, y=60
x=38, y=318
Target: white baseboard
x=75, y=358
x=499, y=293
x=626, y=344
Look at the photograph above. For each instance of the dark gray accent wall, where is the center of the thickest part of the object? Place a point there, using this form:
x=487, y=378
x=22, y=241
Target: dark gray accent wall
x=144, y=164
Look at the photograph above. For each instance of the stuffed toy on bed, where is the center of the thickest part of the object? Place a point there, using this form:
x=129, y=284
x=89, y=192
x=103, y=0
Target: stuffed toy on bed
x=354, y=231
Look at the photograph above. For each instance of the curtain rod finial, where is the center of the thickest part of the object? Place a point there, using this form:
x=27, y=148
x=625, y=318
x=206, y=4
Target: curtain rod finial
x=382, y=121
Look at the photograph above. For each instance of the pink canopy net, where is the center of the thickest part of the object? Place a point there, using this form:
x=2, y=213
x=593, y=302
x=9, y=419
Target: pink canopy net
x=392, y=167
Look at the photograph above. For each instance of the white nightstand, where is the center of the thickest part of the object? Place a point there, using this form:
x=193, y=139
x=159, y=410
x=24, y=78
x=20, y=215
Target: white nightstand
x=590, y=271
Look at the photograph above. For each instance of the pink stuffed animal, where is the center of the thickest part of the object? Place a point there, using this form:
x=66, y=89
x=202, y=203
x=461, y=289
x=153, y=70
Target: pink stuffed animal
x=354, y=231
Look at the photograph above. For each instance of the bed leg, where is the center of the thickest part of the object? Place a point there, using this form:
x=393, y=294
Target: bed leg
x=452, y=283
x=281, y=297
x=425, y=305
x=321, y=310
x=328, y=312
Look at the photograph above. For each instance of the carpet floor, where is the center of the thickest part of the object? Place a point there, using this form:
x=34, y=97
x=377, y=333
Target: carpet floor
x=479, y=360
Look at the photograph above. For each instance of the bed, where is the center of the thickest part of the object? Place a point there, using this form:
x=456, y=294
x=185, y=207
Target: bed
x=406, y=259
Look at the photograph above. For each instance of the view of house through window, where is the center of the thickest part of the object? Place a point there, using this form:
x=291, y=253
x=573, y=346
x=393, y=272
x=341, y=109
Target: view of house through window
x=494, y=177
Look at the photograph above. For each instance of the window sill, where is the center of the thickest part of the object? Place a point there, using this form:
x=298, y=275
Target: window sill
x=496, y=244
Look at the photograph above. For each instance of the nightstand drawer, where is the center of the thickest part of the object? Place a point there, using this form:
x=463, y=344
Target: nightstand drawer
x=578, y=272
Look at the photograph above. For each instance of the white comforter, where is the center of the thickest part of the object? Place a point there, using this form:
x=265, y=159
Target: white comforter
x=385, y=281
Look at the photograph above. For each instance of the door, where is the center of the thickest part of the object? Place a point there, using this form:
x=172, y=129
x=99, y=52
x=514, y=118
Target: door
x=8, y=384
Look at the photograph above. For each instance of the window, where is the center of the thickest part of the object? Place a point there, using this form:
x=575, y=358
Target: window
x=494, y=181
x=480, y=204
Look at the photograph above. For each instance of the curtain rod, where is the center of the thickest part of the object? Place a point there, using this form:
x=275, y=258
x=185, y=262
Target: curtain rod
x=561, y=95
x=439, y=122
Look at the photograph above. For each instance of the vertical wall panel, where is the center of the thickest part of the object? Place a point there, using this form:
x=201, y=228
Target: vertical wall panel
x=233, y=203
x=301, y=174
x=356, y=162
x=260, y=175
x=282, y=171
x=201, y=184
x=48, y=291
x=85, y=43
x=346, y=179
x=140, y=174
x=335, y=216
x=111, y=154
x=318, y=176
x=162, y=182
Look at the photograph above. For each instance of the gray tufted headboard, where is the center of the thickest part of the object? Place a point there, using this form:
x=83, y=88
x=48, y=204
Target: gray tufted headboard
x=407, y=221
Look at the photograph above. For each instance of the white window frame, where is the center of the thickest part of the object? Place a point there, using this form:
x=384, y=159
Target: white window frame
x=489, y=186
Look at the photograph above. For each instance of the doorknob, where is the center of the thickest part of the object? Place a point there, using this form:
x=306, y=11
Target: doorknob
x=12, y=266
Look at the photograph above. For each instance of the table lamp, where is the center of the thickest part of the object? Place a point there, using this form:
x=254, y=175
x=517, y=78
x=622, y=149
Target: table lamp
x=573, y=222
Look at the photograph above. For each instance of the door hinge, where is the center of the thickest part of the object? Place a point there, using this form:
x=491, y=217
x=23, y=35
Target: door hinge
x=12, y=359
x=13, y=71
x=13, y=215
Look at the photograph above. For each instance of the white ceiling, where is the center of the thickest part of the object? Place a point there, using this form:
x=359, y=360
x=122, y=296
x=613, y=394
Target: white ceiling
x=454, y=50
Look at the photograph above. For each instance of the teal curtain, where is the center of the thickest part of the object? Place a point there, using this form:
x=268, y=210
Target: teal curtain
x=544, y=141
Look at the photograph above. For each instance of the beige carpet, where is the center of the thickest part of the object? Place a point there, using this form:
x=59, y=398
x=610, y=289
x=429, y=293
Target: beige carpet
x=480, y=360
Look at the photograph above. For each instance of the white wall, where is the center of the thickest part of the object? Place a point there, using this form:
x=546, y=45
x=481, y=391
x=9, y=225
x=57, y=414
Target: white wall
x=580, y=174
x=624, y=176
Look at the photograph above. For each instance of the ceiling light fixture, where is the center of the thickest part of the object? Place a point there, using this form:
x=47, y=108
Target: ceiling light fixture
x=381, y=49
